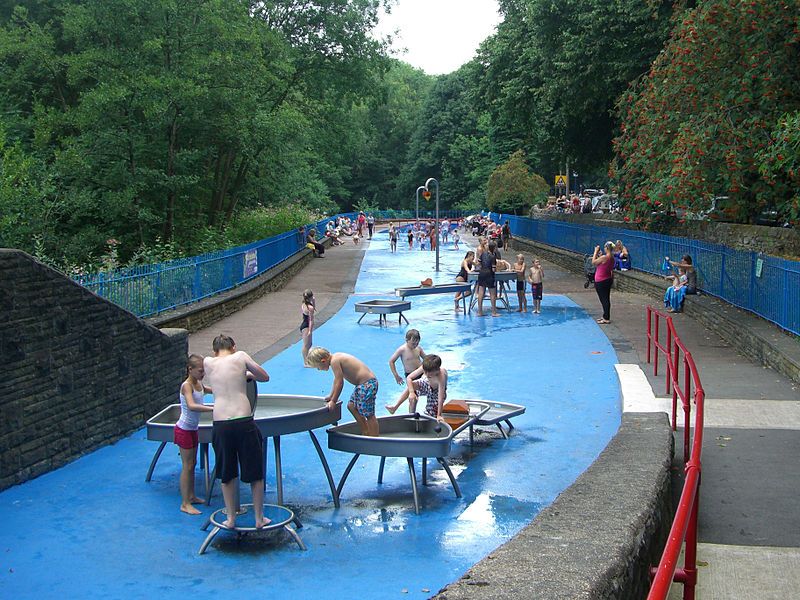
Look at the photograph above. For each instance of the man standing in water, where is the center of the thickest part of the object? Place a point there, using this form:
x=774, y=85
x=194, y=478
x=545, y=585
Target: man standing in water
x=236, y=439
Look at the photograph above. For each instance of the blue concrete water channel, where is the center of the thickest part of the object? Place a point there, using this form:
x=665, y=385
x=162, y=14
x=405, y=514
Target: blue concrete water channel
x=94, y=527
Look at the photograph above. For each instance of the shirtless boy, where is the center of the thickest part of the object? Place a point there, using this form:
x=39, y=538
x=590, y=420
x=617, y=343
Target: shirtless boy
x=535, y=278
x=411, y=353
x=433, y=385
x=349, y=368
x=236, y=439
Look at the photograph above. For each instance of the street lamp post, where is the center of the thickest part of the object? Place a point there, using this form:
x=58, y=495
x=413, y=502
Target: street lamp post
x=436, y=227
x=420, y=188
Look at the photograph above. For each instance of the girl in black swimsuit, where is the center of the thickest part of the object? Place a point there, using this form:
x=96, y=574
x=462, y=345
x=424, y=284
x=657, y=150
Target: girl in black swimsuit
x=463, y=274
x=307, y=309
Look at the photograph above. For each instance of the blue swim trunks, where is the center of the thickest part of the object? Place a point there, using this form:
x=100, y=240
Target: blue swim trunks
x=363, y=397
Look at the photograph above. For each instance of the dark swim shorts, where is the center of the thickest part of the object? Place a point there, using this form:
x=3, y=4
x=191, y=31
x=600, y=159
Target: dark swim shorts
x=238, y=443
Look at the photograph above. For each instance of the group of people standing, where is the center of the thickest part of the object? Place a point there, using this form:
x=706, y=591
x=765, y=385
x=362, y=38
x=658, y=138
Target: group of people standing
x=487, y=261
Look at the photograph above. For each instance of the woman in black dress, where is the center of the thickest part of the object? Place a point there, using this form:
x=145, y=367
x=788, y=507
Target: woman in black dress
x=487, y=264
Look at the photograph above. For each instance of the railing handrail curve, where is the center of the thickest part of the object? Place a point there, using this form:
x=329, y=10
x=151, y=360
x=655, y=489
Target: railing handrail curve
x=684, y=525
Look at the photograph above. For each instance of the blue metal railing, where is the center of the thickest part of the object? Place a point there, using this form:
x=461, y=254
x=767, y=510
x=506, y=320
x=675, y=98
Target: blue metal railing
x=765, y=285
x=147, y=290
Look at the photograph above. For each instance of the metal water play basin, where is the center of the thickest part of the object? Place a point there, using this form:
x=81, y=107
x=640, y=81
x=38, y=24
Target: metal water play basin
x=275, y=415
x=409, y=436
x=382, y=307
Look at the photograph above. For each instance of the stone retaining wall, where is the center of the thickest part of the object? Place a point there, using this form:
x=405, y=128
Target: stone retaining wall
x=751, y=335
x=78, y=371
x=600, y=536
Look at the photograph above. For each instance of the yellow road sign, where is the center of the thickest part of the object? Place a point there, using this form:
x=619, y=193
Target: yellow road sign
x=561, y=180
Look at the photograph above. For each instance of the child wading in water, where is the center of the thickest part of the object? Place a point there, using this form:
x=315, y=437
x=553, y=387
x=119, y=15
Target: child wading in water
x=307, y=310
x=433, y=385
x=191, y=395
x=412, y=355
x=348, y=368
x=520, y=267
x=536, y=278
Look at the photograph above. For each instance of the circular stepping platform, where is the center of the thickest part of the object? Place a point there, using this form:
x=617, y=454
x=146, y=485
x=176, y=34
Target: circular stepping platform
x=280, y=517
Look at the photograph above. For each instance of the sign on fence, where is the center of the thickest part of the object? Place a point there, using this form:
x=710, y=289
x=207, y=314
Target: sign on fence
x=250, y=263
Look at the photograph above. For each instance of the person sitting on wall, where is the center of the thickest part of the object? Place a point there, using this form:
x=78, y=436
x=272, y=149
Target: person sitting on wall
x=311, y=238
x=691, y=272
x=622, y=259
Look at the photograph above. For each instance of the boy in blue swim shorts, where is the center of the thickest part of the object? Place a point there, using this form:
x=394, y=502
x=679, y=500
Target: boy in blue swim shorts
x=348, y=368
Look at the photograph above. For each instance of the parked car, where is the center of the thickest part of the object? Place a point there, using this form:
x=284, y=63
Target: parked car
x=605, y=203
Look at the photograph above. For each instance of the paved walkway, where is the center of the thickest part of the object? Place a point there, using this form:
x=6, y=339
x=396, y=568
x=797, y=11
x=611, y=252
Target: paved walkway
x=749, y=521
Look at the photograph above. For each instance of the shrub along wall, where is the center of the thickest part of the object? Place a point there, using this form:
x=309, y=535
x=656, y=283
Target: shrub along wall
x=78, y=371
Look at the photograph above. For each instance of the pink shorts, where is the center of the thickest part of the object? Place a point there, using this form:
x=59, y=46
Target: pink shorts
x=185, y=439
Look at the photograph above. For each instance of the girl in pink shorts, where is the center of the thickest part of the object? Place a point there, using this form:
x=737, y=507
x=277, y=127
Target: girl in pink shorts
x=191, y=395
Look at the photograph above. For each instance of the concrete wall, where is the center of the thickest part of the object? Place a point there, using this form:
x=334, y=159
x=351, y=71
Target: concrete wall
x=600, y=536
x=78, y=372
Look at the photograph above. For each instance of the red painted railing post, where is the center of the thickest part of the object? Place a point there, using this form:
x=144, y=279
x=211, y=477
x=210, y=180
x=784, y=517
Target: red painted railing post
x=687, y=395
x=655, y=358
x=690, y=547
x=649, y=340
x=668, y=357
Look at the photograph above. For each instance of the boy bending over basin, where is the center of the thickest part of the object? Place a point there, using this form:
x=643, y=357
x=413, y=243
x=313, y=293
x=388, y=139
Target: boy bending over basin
x=347, y=367
x=235, y=436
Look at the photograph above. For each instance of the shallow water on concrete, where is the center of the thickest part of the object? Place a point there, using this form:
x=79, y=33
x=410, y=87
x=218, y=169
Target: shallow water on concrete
x=96, y=528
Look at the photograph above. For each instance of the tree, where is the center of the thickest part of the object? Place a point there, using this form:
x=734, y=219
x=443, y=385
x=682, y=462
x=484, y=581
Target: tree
x=155, y=118
x=554, y=70
x=513, y=188
x=706, y=117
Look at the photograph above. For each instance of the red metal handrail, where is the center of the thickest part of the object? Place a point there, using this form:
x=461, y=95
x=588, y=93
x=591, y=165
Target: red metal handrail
x=684, y=526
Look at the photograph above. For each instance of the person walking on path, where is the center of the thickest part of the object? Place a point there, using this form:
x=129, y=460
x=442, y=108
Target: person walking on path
x=604, y=278
x=506, y=233
x=370, y=224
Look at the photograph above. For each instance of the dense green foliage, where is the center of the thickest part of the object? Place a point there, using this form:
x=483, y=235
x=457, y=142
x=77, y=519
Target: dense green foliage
x=513, y=188
x=710, y=118
x=175, y=128
x=546, y=84
x=156, y=121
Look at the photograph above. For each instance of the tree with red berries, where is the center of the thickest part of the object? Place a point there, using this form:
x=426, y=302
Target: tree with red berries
x=716, y=115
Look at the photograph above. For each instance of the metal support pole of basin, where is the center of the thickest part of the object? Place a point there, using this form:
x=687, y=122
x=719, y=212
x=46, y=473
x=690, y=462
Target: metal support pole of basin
x=413, y=475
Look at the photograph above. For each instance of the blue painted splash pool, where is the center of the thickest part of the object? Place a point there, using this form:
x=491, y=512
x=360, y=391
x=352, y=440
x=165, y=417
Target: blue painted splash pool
x=95, y=528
